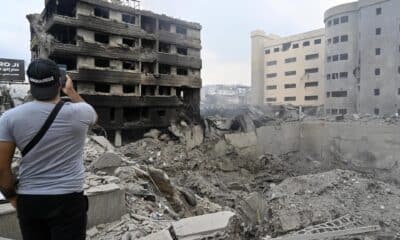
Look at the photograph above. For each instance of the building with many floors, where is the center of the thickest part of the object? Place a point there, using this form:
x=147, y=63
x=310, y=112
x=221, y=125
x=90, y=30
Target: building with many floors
x=359, y=68
x=137, y=68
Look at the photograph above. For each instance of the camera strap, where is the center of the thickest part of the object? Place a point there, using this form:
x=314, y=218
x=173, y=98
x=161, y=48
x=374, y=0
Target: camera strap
x=43, y=130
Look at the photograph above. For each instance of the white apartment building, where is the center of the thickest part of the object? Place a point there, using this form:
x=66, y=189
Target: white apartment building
x=358, y=62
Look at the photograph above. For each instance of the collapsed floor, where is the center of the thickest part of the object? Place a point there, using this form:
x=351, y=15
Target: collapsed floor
x=194, y=170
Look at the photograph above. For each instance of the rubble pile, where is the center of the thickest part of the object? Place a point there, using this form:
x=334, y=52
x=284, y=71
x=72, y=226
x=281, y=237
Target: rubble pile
x=313, y=199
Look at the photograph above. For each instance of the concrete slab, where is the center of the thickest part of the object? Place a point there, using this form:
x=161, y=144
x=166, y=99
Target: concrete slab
x=163, y=235
x=202, y=226
x=9, y=226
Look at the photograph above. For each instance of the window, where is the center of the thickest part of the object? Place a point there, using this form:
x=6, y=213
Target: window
x=271, y=99
x=292, y=85
x=335, y=76
x=343, y=111
x=128, y=18
x=311, y=70
x=336, y=21
x=101, y=12
x=101, y=38
x=182, y=71
x=295, y=45
x=329, y=23
x=276, y=49
x=271, y=87
x=290, y=73
x=344, y=19
x=328, y=77
x=377, y=71
x=335, y=58
x=335, y=40
x=306, y=43
x=181, y=30
x=290, y=99
x=128, y=88
x=329, y=59
x=344, y=75
x=378, y=31
x=334, y=111
x=328, y=94
x=286, y=46
x=376, y=111
x=344, y=38
x=344, y=56
x=102, y=88
x=290, y=60
x=272, y=75
x=377, y=51
x=268, y=51
x=379, y=11
x=311, y=98
x=317, y=41
x=312, y=56
x=271, y=63
x=103, y=63
x=398, y=91
x=328, y=111
x=339, y=94
x=129, y=42
x=182, y=51
x=129, y=65
x=377, y=92
x=329, y=41
x=311, y=84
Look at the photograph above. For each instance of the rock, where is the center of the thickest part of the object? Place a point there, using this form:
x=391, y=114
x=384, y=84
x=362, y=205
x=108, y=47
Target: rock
x=290, y=222
x=103, y=142
x=226, y=165
x=162, y=235
x=108, y=162
x=92, y=232
x=189, y=197
x=245, y=123
x=153, y=133
x=255, y=208
x=203, y=227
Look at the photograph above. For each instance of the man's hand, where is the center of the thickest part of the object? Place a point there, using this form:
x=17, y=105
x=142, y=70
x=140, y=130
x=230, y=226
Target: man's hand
x=70, y=91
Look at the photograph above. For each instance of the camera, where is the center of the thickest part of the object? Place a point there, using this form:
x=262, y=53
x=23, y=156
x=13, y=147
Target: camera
x=63, y=74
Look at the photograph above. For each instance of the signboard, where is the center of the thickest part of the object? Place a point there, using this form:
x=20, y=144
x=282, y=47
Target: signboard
x=12, y=70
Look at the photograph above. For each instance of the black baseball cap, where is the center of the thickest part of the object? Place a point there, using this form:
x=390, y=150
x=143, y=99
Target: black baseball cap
x=44, y=75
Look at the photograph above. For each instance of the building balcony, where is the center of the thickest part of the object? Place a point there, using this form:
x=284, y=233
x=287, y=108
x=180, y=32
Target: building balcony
x=132, y=101
x=126, y=77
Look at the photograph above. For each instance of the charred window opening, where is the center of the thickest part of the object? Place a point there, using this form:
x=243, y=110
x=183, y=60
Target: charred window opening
x=164, y=47
x=128, y=18
x=164, y=91
x=148, y=44
x=180, y=93
x=101, y=12
x=148, y=24
x=181, y=30
x=129, y=65
x=164, y=69
x=148, y=68
x=70, y=62
x=102, y=88
x=182, y=71
x=103, y=63
x=145, y=113
x=148, y=90
x=112, y=114
x=64, y=34
x=66, y=8
x=162, y=113
x=101, y=38
x=165, y=26
x=129, y=42
x=182, y=51
x=131, y=114
x=129, y=88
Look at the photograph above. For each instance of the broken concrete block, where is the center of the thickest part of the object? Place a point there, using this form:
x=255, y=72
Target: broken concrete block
x=108, y=162
x=103, y=142
x=153, y=133
x=290, y=222
x=163, y=235
x=242, y=140
x=246, y=123
x=201, y=227
x=194, y=137
x=255, y=208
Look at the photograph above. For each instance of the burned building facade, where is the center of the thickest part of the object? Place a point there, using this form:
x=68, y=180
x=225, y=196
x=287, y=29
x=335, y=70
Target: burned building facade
x=137, y=68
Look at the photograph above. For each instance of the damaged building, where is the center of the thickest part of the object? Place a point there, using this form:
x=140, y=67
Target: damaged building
x=138, y=69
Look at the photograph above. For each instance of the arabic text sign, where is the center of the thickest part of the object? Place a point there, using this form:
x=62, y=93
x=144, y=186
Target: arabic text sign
x=12, y=70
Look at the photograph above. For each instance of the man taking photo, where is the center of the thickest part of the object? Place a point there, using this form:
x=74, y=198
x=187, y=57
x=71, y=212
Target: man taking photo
x=50, y=135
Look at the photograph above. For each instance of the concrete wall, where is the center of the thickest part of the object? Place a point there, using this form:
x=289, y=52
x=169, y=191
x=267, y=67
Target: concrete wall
x=257, y=67
x=278, y=139
x=106, y=204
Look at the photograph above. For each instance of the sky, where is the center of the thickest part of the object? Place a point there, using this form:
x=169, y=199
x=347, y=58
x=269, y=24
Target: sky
x=227, y=25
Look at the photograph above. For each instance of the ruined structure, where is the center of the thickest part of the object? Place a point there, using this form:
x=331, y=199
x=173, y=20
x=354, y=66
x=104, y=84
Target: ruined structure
x=137, y=68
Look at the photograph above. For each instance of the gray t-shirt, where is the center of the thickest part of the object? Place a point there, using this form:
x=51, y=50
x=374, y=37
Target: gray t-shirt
x=55, y=165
